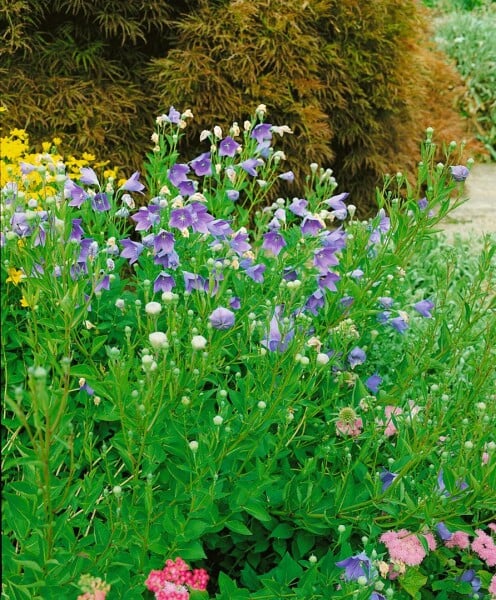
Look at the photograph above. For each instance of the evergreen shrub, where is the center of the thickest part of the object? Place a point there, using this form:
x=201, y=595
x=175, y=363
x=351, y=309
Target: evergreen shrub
x=354, y=80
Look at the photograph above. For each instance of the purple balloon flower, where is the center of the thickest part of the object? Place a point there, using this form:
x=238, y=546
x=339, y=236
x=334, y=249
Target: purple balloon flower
x=254, y=272
x=235, y=303
x=470, y=577
x=443, y=532
x=26, y=168
x=187, y=187
x=133, y=184
x=262, y=132
x=232, y=195
x=289, y=274
x=325, y=257
x=373, y=383
x=287, y=176
x=249, y=165
x=356, y=357
x=222, y=318
x=422, y=203
x=277, y=339
x=180, y=218
x=356, y=566
x=167, y=261
x=399, y=324
x=75, y=192
x=387, y=478
x=298, y=207
x=146, y=217
x=103, y=284
x=460, y=484
x=200, y=218
x=328, y=280
x=163, y=242
x=202, y=165
x=424, y=307
x=86, y=249
x=273, y=242
x=311, y=225
x=315, y=302
x=459, y=173
x=340, y=210
x=193, y=281
x=386, y=301
x=347, y=301
x=219, y=228
x=131, y=250
x=228, y=147
x=174, y=116
x=334, y=239
x=88, y=176
x=177, y=173
x=100, y=202
x=163, y=282
x=239, y=243
x=76, y=230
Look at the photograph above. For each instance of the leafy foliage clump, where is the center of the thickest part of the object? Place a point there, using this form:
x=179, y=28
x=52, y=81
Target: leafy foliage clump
x=468, y=39
x=354, y=80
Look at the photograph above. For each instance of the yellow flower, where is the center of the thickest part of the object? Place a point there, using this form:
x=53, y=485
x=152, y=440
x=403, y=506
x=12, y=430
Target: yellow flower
x=15, y=275
x=57, y=141
x=111, y=173
x=19, y=133
x=24, y=303
x=3, y=108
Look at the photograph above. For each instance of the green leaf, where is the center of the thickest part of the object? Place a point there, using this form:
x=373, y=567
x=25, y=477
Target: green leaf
x=304, y=542
x=192, y=550
x=98, y=343
x=412, y=581
x=287, y=571
x=83, y=371
x=255, y=508
x=283, y=531
x=238, y=527
x=17, y=514
x=229, y=589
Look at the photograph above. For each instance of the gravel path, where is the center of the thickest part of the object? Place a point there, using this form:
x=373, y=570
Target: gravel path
x=478, y=215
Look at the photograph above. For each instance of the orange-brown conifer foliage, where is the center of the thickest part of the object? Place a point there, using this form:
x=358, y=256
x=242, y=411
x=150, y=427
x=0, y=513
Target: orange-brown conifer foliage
x=355, y=79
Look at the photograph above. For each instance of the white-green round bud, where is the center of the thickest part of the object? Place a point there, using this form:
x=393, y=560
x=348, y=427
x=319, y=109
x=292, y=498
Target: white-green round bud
x=153, y=308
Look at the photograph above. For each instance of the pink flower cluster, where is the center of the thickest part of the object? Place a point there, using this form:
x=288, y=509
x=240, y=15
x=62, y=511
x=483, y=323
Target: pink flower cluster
x=484, y=546
x=492, y=587
x=459, y=539
x=405, y=547
x=173, y=581
x=389, y=425
x=354, y=428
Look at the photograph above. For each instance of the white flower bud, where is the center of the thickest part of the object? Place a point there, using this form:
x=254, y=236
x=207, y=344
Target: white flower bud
x=198, y=342
x=158, y=339
x=322, y=359
x=153, y=308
